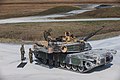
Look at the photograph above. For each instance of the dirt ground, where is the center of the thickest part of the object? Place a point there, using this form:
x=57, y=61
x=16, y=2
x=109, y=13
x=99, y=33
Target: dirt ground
x=18, y=8
x=15, y=10
x=68, y=1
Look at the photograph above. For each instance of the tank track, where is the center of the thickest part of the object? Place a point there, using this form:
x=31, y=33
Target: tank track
x=66, y=67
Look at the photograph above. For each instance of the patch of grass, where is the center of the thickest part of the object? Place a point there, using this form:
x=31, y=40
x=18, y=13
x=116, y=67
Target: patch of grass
x=105, y=35
x=8, y=40
x=20, y=10
x=59, y=9
x=99, y=13
x=34, y=31
x=59, y=1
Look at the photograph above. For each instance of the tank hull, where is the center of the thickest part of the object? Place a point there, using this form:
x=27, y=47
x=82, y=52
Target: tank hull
x=71, y=60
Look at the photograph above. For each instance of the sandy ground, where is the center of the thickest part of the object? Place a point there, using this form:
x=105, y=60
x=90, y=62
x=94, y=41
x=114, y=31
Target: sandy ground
x=10, y=58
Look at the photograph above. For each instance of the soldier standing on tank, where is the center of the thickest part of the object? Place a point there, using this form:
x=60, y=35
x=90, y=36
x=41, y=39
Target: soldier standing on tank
x=30, y=55
x=22, y=50
x=47, y=35
x=67, y=36
x=73, y=38
x=82, y=45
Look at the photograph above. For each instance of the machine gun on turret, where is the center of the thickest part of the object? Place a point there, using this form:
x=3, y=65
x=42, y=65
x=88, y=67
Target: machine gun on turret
x=92, y=34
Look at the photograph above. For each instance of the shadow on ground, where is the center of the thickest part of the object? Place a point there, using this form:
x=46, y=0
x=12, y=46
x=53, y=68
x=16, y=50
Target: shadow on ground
x=100, y=68
x=40, y=63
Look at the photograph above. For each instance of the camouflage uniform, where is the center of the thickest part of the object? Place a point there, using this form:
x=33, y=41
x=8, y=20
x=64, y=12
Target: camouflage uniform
x=82, y=45
x=47, y=35
x=30, y=55
x=67, y=36
x=22, y=52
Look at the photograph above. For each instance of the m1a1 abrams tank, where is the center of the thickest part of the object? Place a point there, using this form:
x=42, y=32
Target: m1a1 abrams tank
x=76, y=55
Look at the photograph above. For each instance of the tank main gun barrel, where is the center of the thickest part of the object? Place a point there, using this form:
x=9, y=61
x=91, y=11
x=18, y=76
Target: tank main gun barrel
x=92, y=34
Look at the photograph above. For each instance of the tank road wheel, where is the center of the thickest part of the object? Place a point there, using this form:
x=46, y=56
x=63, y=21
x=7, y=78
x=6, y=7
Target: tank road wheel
x=81, y=68
x=74, y=68
x=88, y=64
x=62, y=65
x=68, y=66
x=44, y=61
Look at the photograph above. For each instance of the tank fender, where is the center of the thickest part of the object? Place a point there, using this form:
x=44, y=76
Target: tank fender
x=112, y=51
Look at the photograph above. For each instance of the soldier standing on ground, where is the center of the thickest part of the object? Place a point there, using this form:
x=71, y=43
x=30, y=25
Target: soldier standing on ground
x=30, y=55
x=22, y=50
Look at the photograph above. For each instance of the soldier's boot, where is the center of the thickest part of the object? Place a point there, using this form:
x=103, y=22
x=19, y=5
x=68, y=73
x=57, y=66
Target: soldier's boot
x=50, y=64
x=56, y=64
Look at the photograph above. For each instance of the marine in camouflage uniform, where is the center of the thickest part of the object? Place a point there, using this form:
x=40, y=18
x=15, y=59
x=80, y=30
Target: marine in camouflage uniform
x=22, y=50
x=47, y=35
x=30, y=55
x=67, y=36
x=82, y=45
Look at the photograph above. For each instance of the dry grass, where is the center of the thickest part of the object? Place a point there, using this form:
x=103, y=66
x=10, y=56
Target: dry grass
x=105, y=35
x=99, y=13
x=6, y=1
x=58, y=9
x=34, y=31
x=7, y=40
x=18, y=10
